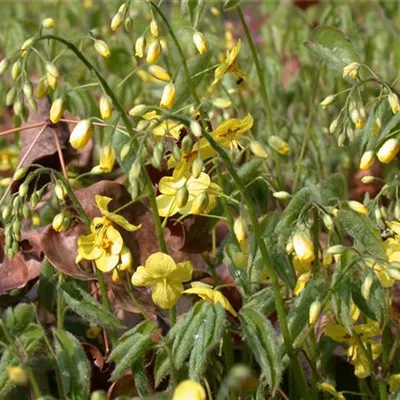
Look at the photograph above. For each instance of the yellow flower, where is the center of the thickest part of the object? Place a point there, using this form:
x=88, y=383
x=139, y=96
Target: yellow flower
x=170, y=186
x=388, y=151
x=102, y=48
x=107, y=160
x=159, y=73
x=17, y=375
x=165, y=276
x=167, y=127
x=211, y=295
x=229, y=131
x=366, y=333
x=48, y=23
x=394, y=382
x=327, y=387
x=104, y=244
x=367, y=160
x=153, y=53
x=303, y=247
x=351, y=70
x=394, y=102
x=189, y=390
x=56, y=110
x=81, y=134
x=279, y=145
x=105, y=107
x=357, y=207
x=200, y=42
x=168, y=96
x=229, y=65
x=301, y=283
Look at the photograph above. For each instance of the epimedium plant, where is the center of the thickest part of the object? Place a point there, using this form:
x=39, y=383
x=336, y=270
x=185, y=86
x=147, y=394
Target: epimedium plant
x=257, y=263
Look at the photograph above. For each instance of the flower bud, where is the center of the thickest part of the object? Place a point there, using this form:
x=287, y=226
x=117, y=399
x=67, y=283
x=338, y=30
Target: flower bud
x=367, y=179
x=140, y=46
x=258, y=149
x=328, y=222
x=289, y=247
x=51, y=80
x=18, y=108
x=17, y=375
x=168, y=96
x=197, y=167
x=98, y=395
x=200, y=203
x=388, y=151
x=187, y=145
x=366, y=287
x=394, y=102
x=81, y=134
x=315, y=310
x=26, y=212
x=334, y=125
x=138, y=110
x=200, y=42
x=56, y=110
x=42, y=89
x=279, y=145
x=195, y=127
x=102, y=48
x=16, y=70
x=153, y=53
x=182, y=197
x=328, y=101
x=357, y=207
x=336, y=249
x=52, y=70
x=48, y=23
x=397, y=210
x=239, y=229
x=58, y=222
x=281, y=195
x=16, y=226
x=159, y=73
x=367, y=160
x=4, y=63
x=128, y=24
x=23, y=189
x=105, y=107
x=351, y=70
x=303, y=247
x=394, y=273
x=126, y=149
x=20, y=173
x=176, y=153
x=11, y=96
x=189, y=390
x=116, y=21
x=28, y=89
x=59, y=191
x=154, y=29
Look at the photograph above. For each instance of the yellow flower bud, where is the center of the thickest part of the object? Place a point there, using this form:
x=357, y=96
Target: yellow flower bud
x=189, y=390
x=153, y=53
x=334, y=125
x=367, y=159
x=366, y=287
x=16, y=70
x=239, y=229
x=58, y=222
x=52, y=70
x=168, y=96
x=23, y=190
x=51, y=80
x=42, y=89
x=59, y=191
x=195, y=127
x=197, y=167
x=48, y=23
x=18, y=376
x=328, y=222
x=394, y=102
x=154, y=29
x=116, y=21
x=376, y=127
x=215, y=12
x=25, y=46
x=140, y=46
x=137, y=110
x=281, y=195
x=258, y=149
x=102, y=48
x=28, y=89
x=4, y=63
x=279, y=145
x=367, y=179
x=221, y=103
x=328, y=101
x=81, y=134
x=289, y=247
x=107, y=159
x=182, y=196
x=388, y=151
x=200, y=42
x=337, y=249
x=20, y=173
x=160, y=73
x=394, y=273
x=357, y=207
x=351, y=70
x=303, y=247
x=56, y=110
x=105, y=107
x=200, y=203
x=315, y=310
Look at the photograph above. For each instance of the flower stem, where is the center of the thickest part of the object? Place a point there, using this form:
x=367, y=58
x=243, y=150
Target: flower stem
x=264, y=92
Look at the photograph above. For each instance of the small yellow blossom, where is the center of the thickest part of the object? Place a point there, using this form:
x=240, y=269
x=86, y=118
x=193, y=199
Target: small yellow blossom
x=229, y=65
x=102, y=48
x=140, y=46
x=17, y=375
x=367, y=159
x=165, y=276
x=48, y=23
x=116, y=21
x=394, y=102
x=105, y=107
x=303, y=247
x=239, y=228
x=211, y=295
x=168, y=96
x=301, y=283
x=279, y=145
x=357, y=207
x=200, y=42
x=351, y=70
x=189, y=390
x=170, y=186
x=154, y=52
x=327, y=387
x=388, y=151
x=159, y=73
x=81, y=134
x=107, y=160
x=366, y=333
x=56, y=110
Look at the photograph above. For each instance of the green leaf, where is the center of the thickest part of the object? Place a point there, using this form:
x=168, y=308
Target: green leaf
x=262, y=301
x=47, y=288
x=332, y=47
x=142, y=383
x=162, y=366
x=87, y=307
x=196, y=66
x=341, y=300
x=73, y=364
x=250, y=170
x=118, y=141
x=193, y=8
x=231, y=4
x=262, y=341
x=366, y=236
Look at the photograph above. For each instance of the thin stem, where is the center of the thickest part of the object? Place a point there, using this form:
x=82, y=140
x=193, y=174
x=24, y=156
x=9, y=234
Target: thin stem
x=34, y=385
x=264, y=92
x=59, y=151
x=60, y=304
x=22, y=128
x=172, y=316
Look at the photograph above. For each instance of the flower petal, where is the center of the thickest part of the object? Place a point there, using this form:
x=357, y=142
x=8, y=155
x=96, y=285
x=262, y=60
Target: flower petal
x=337, y=333
x=196, y=186
x=142, y=277
x=87, y=248
x=160, y=265
x=107, y=262
x=183, y=272
x=220, y=298
x=115, y=237
x=169, y=185
x=166, y=205
x=166, y=294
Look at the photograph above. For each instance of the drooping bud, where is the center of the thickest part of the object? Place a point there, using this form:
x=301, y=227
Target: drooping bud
x=394, y=273
x=42, y=89
x=23, y=189
x=11, y=96
x=376, y=127
x=20, y=173
x=168, y=96
x=81, y=134
x=351, y=70
x=315, y=310
x=303, y=247
x=239, y=229
x=58, y=222
x=16, y=70
x=195, y=127
x=4, y=63
x=388, y=151
x=117, y=21
x=28, y=89
x=328, y=101
x=336, y=249
x=279, y=145
x=102, y=48
x=334, y=125
x=328, y=222
x=159, y=73
x=357, y=207
x=6, y=213
x=258, y=149
x=366, y=287
x=182, y=197
x=200, y=203
x=367, y=179
x=140, y=46
x=281, y=195
x=197, y=167
x=154, y=29
x=153, y=53
x=394, y=102
x=56, y=110
x=187, y=145
x=59, y=191
x=200, y=42
x=367, y=160
x=48, y=23
x=52, y=70
x=105, y=107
